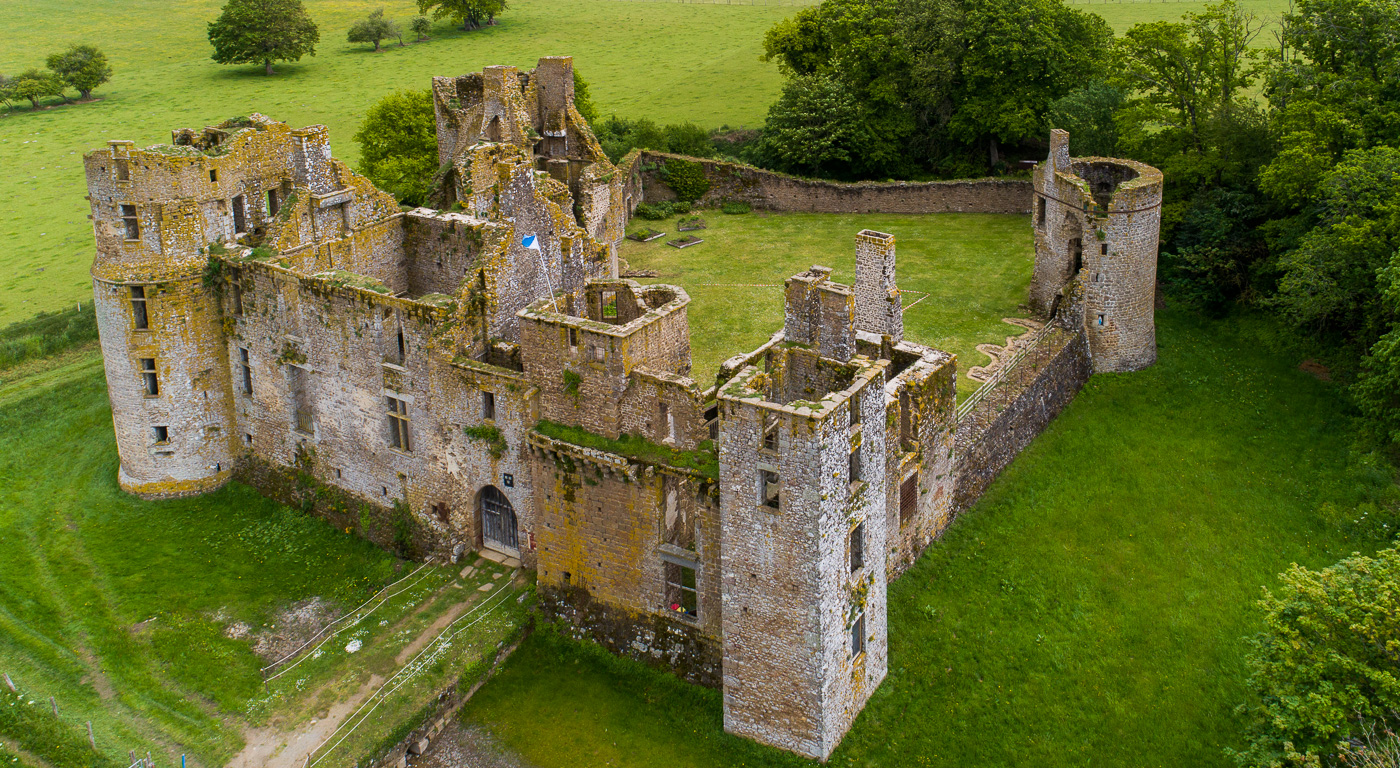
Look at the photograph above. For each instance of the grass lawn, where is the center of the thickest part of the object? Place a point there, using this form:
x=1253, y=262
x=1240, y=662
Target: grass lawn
x=975, y=268
x=1090, y=610
x=118, y=607
x=1122, y=15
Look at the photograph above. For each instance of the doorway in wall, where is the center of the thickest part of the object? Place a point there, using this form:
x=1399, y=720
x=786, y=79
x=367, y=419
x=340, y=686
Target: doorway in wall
x=498, y=525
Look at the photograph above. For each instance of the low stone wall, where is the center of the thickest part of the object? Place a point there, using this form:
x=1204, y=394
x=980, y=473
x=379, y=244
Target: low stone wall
x=1004, y=423
x=657, y=641
x=778, y=192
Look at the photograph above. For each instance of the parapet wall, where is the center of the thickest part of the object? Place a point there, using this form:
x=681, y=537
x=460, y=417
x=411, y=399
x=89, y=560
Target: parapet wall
x=778, y=192
x=1009, y=418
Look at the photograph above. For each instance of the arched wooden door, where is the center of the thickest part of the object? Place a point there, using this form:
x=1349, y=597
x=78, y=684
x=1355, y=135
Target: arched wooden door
x=498, y=526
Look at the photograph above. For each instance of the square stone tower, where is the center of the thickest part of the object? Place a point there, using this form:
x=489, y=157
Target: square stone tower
x=802, y=510
x=878, y=310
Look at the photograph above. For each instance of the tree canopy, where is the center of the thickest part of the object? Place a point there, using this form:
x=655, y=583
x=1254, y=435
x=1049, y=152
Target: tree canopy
x=373, y=29
x=398, y=145
x=263, y=31
x=472, y=13
x=34, y=84
x=81, y=67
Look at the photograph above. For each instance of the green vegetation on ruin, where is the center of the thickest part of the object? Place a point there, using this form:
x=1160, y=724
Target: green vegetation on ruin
x=1092, y=609
x=703, y=460
x=122, y=609
x=975, y=268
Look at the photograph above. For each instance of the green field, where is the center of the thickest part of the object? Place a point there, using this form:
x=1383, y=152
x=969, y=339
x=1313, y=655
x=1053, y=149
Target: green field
x=965, y=271
x=1090, y=610
x=122, y=609
x=668, y=61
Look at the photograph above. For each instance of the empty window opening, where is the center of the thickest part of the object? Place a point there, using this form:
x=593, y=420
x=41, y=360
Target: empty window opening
x=383, y=490
x=338, y=475
x=680, y=590
x=858, y=547
x=1096, y=276
x=213, y=176
x=908, y=498
x=139, y=320
x=272, y=202
x=131, y=222
x=298, y=381
x=769, y=488
x=610, y=305
x=770, y=431
x=218, y=467
x=402, y=349
x=666, y=424
x=855, y=411
x=1103, y=249
x=240, y=217
x=1100, y=319
x=247, y=439
x=161, y=435
x=398, y=423
x=123, y=170
x=442, y=511
x=906, y=422
x=573, y=339
x=858, y=635
x=853, y=468
x=488, y=405
x=245, y=368
x=148, y=377
x=1040, y=211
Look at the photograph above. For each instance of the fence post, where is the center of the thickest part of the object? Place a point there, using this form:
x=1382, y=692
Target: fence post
x=91, y=740
x=54, y=702
x=10, y=683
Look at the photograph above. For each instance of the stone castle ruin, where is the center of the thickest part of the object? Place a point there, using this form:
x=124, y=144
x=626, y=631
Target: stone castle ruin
x=480, y=377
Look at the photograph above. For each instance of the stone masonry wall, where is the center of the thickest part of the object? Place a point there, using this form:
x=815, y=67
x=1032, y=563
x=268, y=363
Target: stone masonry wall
x=989, y=439
x=772, y=191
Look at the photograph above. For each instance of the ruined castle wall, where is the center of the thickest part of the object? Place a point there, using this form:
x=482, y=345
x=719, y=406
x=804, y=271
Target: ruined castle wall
x=606, y=528
x=441, y=248
x=324, y=359
x=1004, y=424
x=778, y=192
x=663, y=408
x=920, y=433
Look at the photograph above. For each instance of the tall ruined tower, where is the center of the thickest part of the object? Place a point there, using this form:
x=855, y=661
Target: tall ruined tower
x=878, y=309
x=167, y=372
x=803, y=528
x=1097, y=222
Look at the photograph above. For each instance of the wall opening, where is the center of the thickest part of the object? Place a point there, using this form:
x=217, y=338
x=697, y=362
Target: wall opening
x=681, y=594
x=161, y=435
x=908, y=498
x=149, y=380
x=298, y=383
x=139, y=320
x=240, y=216
x=245, y=370
x=499, y=529
x=398, y=423
x=857, y=547
x=131, y=223
x=769, y=488
x=488, y=405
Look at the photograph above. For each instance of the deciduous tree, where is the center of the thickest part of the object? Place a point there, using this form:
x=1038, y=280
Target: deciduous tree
x=472, y=13
x=373, y=29
x=398, y=145
x=82, y=67
x=33, y=84
x=253, y=31
x=421, y=26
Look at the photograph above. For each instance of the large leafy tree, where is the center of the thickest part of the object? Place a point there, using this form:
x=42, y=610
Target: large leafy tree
x=81, y=67
x=815, y=128
x=263, y=31
x=398, y=145
x=1326, y=668
x=33, y=84
x=472, y=13
x=374, y=29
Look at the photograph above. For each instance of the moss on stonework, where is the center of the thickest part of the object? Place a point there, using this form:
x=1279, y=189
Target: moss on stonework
x=352, y=280
x=491, y=435
x=704, y=459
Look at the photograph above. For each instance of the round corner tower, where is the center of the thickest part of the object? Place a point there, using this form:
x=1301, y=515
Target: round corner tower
x=1097, y=222
x=160, y=328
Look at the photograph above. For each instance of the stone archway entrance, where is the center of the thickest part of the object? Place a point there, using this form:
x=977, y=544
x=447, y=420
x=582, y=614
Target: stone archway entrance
x=499, y=530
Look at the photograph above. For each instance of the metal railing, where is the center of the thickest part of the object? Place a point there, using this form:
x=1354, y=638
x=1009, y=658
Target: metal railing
x=969, y=405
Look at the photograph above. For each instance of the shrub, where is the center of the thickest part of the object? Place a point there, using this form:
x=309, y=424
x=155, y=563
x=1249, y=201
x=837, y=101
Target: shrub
x=398, y=145
x=373, y=29
x=735, y=207
x=82, y=67
x=654, y=211
x=686, y=178
x=680, y=207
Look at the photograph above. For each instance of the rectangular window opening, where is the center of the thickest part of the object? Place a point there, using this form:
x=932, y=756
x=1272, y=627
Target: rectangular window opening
x=237, y=291
x=240, y=216
x=855, y=411
x=148, y=377
x=213, y=176
x=398, y=423
x=488, y=405
x=908, y=498
x=610, y=304
x=131, y=222
x=123, y=170
x=573, y=339
x=770, y=431
x=858, y=547
x=1040, y=211
x=1100, y=319
x=247, y=439
x=1103, y=249
x=161, y=435
x=681, y=596
x=402, y=349
x=272, y=202
x=858, y=635
x=853, y=467
x=769, y=488
x=139, y=319
x=246, y=369
x=303, y=418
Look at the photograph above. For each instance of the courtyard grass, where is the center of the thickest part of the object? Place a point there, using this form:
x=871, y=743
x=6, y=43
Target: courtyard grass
x=121, y=608
x=965, y=271
x=1091, y=609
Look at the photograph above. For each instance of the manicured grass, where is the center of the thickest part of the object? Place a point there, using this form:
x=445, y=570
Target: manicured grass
x=668, y=61
x=703, y=460
x=975, y=268
x=119, y=608
x=1122, y=15
x=1090, y=610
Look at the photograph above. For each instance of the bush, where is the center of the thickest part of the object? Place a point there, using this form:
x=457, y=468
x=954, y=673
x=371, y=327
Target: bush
x=686, y=178
x=680, y=207
x=735, y=207
x=618, y=136
x=654, y=211
x=398, y=145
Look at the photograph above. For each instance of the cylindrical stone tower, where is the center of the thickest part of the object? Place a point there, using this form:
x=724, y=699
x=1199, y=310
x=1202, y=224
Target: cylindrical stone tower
x=1097, y=222
x=160, y=327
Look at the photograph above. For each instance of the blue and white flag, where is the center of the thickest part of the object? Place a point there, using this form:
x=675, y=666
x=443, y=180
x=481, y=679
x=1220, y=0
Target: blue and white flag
x=531, y=242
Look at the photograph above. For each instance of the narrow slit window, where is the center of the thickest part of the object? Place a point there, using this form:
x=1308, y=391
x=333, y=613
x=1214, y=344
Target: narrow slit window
x=855, y=411
x=488, y=405
x=681, y=594
x=161, y=435
x=769, y=489
x=402, y=349
x=131, y=222
x=272, y=202
x=853, y=467
x=1040, y=212
x=149, y=381
x=858, y=547
x=1103, y=249
x=139, y=320
x=908, y=498
x=246, y=370
x=237, y=291
x=240, y=216
x=858, y=635
x=398, y=423
x=573, y=339
x=303, y=417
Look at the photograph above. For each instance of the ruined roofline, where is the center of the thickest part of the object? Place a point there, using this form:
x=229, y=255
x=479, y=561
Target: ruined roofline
x=546, y=310
x=747, y=387
x=235, y=137
x=320, y=283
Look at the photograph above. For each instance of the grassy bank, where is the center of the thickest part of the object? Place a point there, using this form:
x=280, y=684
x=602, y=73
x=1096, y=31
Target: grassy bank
x=1090, y=610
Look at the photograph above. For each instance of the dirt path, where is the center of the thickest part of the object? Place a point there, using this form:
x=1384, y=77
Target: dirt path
x=272, y=748
x=431, y=632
